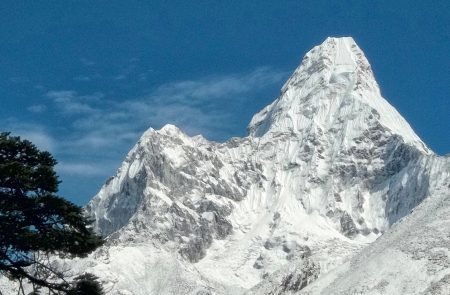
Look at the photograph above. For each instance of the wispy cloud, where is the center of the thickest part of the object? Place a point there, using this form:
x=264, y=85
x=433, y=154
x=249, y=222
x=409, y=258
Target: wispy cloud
x=35, y=133
x=90, y=133
x=80, y=169
x=120, y=77
x=226, y=86
x=41, y=139
x=19, y=80
x=86, y=62
x=82, y=78
x=127, y=70
x=40, y=108
x=103, y=130
x=71, y=103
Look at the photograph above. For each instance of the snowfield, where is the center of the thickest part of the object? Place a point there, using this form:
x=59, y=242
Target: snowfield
x=317, y=199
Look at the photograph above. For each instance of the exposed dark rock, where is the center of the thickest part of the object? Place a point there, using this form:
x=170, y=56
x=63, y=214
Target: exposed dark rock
x=348, y=226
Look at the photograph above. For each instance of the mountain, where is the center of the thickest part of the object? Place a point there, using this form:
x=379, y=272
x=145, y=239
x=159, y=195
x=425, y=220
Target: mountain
x=326, y=169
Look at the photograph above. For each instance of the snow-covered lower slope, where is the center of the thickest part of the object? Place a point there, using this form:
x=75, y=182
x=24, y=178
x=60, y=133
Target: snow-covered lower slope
x=413, y=257
x=327, y=168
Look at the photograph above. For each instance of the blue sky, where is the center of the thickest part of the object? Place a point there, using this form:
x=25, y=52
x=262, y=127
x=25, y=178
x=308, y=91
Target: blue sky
x=83, y=79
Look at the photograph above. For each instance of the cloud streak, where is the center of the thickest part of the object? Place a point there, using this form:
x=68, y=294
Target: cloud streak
x=196, y=106
x=97, y=131
x=37, y=108
x=90, y=133
x=71, y=103
x=82, y=169
x=227, y=86
x=202, y=105
x=37, y=134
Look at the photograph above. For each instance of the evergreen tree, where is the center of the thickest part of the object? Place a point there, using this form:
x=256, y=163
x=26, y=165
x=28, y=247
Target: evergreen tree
x=86, y=284
x=37, y=224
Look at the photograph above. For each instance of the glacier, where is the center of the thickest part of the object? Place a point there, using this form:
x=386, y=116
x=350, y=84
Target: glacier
x=316, y=198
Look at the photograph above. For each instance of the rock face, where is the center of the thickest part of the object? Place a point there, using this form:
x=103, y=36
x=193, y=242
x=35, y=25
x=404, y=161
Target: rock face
x=326, y=168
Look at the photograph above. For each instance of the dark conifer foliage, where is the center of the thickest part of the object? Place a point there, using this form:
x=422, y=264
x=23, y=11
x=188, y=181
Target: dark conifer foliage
x=86, y=284
x=36, y=223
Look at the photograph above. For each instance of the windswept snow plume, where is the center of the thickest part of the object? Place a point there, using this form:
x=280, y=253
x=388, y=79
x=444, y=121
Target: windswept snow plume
x=326, y=169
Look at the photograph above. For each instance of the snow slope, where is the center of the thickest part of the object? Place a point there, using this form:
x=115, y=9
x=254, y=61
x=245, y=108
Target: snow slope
x=326, y=169
x=412, y=258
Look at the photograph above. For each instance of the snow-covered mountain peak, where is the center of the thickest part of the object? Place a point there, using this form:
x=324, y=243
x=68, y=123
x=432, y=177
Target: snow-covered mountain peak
x=338, y=52
x=336, y=61
x=170, y=134
x=170, y=129
x=327, y=167
x=342, y=51
x=333, y=89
